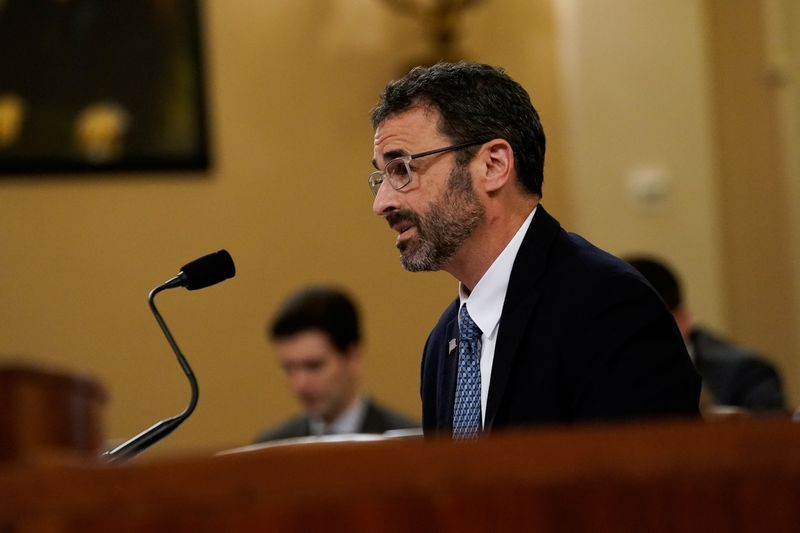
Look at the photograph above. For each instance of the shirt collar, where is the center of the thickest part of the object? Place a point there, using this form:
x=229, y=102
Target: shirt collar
x=487, y=298
x=348, y=422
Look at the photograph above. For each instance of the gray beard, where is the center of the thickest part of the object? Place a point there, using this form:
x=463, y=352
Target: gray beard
x=450, y=220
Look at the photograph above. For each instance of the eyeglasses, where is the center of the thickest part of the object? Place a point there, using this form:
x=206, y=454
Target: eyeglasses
x=399, y=172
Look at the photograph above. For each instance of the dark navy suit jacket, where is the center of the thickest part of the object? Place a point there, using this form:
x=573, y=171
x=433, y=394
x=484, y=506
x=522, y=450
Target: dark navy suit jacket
x=582, y=337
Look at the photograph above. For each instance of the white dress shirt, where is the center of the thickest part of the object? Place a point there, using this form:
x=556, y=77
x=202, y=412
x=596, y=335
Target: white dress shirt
x=485, y=305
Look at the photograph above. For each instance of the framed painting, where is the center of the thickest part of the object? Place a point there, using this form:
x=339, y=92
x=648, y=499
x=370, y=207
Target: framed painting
x=101, y=85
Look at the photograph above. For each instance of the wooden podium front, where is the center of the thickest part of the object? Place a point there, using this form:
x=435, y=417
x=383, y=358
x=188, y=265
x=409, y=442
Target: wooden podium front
x=736, y=476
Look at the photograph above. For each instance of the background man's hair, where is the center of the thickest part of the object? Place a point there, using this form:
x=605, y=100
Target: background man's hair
x=476, y=102
x=326, y=309
x=661, y=277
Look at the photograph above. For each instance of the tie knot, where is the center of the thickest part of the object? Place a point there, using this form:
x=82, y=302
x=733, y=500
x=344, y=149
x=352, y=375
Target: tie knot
x=468, y=330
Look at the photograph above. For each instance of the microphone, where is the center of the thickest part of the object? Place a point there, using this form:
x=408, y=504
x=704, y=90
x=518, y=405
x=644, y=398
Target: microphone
x=200, y=273
x=204, y=271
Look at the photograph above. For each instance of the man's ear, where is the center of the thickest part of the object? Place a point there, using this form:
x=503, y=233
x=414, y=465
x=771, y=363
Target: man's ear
x=497, y=164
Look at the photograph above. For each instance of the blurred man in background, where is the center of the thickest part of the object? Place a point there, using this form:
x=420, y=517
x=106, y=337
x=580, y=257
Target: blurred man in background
x=317, y=340
x=732, y=375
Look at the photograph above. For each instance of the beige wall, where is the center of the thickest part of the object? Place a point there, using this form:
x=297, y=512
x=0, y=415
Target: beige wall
x=780, y=25
x=636, y=85
x=757, y=189
x=290, y=86
x=683, y=99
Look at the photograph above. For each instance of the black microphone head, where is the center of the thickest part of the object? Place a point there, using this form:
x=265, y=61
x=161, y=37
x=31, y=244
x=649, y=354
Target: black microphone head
x=208, y=270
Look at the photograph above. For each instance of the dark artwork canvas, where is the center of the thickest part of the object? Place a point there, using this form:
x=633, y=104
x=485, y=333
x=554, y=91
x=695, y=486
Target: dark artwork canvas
x=101, y=85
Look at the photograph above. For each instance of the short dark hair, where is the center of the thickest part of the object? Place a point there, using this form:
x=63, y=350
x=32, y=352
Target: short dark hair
x=327, y=309
x=476, y=102
x=661, y=277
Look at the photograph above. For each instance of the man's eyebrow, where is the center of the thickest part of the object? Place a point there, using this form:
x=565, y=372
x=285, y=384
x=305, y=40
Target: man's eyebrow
x=388, y=156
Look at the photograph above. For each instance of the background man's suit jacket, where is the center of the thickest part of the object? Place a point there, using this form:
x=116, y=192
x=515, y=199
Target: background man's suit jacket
x=377, y=419
x=734, y=375
x=582, y=337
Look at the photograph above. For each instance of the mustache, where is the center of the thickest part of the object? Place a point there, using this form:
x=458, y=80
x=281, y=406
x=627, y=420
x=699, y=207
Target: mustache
x=402, y=215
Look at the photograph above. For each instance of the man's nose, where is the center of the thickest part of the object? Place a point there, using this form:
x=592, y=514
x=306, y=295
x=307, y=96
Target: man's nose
x=386, y=199
x=299, y=381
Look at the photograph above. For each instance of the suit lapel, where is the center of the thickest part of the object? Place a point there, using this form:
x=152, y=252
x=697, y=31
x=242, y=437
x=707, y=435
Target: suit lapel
x=521, y=297
x=373, y=420
x=448, y=373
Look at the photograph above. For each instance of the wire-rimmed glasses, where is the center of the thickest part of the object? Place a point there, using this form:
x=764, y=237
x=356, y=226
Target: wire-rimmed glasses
x=399, y=172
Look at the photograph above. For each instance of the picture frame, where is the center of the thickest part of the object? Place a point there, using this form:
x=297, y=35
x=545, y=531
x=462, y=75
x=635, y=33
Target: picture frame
x=101, y=86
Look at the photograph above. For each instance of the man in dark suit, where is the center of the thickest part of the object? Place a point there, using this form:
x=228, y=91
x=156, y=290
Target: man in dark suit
x=318, y=343
x=733, y=376
x=546, y=327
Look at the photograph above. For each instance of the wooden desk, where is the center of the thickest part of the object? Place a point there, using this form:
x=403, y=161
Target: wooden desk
x=42, y=409
x=740, y=476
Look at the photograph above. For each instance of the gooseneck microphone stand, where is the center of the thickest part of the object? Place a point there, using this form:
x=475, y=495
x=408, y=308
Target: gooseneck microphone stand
x=148, y=437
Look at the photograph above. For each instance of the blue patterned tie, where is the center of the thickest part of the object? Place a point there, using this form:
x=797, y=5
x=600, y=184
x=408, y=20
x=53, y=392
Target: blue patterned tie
x=467, y=410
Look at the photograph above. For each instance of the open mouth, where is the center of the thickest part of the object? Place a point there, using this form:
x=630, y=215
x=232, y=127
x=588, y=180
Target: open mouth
x=403, y=227
x=404, y=223
x=405, y=232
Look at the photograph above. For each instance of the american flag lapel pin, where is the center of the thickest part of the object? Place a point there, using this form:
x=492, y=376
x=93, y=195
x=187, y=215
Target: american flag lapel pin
x=451, y=346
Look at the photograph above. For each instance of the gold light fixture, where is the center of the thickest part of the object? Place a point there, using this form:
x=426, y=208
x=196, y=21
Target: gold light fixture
x=440, y=24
